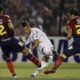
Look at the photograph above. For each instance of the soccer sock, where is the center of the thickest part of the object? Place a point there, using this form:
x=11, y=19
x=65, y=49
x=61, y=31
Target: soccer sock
x=33, y=59
x=11, y=67
x=58, y=62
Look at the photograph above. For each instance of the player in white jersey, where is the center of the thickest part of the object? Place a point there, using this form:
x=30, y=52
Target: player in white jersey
x=41, y=42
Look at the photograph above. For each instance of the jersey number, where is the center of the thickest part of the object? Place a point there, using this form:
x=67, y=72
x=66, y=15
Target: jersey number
x=2, y=31
x=78, y=29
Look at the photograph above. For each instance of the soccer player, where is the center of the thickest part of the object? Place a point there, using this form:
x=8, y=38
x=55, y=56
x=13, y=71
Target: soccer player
x=9, y=43
x=41, y=42
x=73, y=30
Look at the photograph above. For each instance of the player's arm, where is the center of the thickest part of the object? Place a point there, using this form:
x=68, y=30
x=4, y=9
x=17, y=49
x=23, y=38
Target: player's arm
x=9, y=23
x=35, y=39
x=69, y=33
x=11, y=28
x=36, y=44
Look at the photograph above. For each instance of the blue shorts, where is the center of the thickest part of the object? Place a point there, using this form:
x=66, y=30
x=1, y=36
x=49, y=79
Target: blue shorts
x=73, y=49
x=11, y=45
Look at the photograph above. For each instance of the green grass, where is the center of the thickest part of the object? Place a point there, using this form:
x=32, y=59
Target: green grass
x=24, y=70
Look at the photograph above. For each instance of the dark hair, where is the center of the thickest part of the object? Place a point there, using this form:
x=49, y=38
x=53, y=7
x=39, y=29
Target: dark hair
x=25, y=23
x=74, y=12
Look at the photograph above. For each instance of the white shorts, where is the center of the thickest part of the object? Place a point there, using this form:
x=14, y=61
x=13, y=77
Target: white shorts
x=45, y=48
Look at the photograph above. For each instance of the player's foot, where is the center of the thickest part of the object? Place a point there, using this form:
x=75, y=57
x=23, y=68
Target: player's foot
x=43, y=65
x=36, y=73
x=15, y=77
x=32, y=76
x=49, y=71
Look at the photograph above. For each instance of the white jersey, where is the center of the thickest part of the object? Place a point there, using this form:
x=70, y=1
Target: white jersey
x=42, y=37
x=38, y=34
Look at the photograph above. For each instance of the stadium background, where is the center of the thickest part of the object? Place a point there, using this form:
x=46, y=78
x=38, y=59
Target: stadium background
x=51, y=17
x=48, y=15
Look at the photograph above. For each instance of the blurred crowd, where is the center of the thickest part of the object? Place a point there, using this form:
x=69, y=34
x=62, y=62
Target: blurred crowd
x=43, y=14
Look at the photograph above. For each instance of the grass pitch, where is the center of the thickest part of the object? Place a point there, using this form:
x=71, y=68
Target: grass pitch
x=24, y=71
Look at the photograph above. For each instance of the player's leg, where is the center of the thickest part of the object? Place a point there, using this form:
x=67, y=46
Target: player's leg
x=71, y=50
x=32, y=58
x=45, y=62
x=11, y=67
x=9, y=64
x=58, y=62
x=38, y=70
x=6, y=54
x=20, y=47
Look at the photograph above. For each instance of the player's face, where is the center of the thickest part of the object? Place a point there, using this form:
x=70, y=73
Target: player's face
x=72, y=16
x=27, y=30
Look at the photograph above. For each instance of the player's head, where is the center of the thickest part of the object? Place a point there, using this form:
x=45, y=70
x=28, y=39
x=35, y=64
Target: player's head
x=73, y=13
x=26, y=27
x=1, y=10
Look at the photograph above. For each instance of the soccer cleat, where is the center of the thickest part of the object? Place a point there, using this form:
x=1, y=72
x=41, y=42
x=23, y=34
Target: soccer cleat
x=32, y=76
x=15, y=77
x=36, y=73
x=49, y=71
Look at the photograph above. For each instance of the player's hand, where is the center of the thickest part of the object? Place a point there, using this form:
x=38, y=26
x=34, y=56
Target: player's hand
x=26, y=51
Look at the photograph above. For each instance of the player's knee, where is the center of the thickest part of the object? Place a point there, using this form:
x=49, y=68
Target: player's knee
x=47, y=57
x=6, y=56
x=46, y=51
x=63, y=55
x=47, y=54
